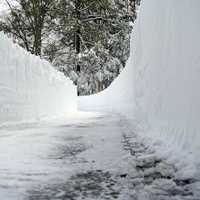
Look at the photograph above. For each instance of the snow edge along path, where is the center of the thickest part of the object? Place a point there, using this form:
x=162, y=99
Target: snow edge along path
x=30, y=88
x=158, y=90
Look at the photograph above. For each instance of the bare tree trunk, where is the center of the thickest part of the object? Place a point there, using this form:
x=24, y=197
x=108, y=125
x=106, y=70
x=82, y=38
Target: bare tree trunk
x=77, y=32
x=38, y=42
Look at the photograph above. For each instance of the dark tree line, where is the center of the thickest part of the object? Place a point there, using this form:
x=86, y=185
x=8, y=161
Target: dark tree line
x=86, y=39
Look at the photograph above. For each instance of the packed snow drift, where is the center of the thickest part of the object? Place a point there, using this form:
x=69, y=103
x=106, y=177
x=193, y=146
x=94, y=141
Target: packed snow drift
x=30, y=88
x=160, y=84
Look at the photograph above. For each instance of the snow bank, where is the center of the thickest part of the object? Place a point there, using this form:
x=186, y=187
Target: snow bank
x=30, y=88
x=160, y=85
x=119, y=96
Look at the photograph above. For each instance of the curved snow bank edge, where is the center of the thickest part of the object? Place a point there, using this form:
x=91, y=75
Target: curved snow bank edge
x=159, y=88
x=30, y=88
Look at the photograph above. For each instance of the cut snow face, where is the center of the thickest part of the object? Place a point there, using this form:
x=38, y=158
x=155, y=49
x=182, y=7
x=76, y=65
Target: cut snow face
x=30, y=88
x=159, y=88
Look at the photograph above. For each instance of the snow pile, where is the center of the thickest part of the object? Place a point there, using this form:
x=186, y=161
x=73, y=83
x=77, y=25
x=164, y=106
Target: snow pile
x=30, y=88
x=118, y=97
x=162, y=78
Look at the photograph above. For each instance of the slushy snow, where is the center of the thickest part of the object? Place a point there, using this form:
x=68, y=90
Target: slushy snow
x=159, y=88
x=30, y=88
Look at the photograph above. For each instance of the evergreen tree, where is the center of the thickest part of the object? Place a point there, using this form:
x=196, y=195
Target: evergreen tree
x=88, y=40
x=26, y=23
x=98, y=34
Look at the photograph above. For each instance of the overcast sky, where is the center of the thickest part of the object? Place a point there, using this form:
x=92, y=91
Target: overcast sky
x=2, y=5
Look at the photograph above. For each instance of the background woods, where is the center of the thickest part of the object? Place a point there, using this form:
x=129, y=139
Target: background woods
x=88, y=40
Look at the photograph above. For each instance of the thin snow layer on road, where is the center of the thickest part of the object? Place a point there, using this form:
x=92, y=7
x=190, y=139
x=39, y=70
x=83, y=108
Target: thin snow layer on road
x=30, y=88
x=93, y=157
x=160, y=84
x=62, y=160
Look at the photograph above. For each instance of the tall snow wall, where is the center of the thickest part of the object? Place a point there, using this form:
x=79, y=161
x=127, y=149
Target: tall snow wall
x=30, y=88
x=160, y=85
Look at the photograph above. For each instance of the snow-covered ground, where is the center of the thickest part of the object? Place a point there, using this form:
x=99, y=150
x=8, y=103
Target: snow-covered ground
x=51, y=160
x=30, y=88
x=159, y=88
x=93, y=157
